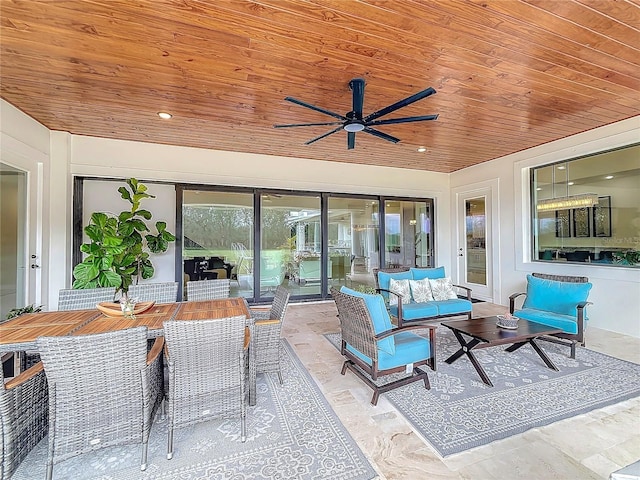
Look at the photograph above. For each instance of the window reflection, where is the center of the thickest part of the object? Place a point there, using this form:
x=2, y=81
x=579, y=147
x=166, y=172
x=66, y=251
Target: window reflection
x=586, y=210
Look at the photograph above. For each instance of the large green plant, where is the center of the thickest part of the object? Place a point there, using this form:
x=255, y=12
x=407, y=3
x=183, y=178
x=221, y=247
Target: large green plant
x=119, y=247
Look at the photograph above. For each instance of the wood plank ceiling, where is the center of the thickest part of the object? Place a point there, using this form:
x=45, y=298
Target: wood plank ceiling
x=509, y=74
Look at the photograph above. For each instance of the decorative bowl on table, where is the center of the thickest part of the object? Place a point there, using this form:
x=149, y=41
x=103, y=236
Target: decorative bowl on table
x=111, y=309
x=507, y=321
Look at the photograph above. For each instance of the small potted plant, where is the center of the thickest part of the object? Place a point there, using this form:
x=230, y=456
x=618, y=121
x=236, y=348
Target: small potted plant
x=119, y=247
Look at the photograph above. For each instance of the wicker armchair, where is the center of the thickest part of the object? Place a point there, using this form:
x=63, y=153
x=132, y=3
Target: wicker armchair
x=573, y=324
x=373, y=348
x=208, y=289
x=207, y=372
x=74, y=299
x=159, y=292
x=23, y=417
x=103, y=391
x=267, y=333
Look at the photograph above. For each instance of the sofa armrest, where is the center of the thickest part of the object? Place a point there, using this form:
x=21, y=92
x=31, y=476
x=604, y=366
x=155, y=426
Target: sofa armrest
x=512, y=301
x=464, y=288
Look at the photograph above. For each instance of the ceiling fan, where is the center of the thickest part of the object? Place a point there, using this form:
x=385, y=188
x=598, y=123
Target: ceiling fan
x=354, y=122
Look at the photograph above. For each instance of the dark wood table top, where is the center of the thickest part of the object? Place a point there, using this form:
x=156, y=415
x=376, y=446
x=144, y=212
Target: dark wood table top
x=486, y=330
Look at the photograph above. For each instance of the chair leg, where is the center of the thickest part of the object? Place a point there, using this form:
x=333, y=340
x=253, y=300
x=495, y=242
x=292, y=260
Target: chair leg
x=344, y=368
x=573, y=350
x=170, y=441
x=143, y=465
x=280, y=375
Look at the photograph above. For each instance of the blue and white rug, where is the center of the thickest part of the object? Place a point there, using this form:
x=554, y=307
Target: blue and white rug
x=292, y=433
x=460, y=412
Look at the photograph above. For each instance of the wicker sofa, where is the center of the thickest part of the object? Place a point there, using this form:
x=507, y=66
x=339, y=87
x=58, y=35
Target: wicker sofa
x=417, y=311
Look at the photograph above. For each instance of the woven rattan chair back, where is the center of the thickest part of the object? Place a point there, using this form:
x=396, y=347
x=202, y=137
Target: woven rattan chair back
x=166, y=292
x=356, y=324
x=268, y=329
x=561, y=278
x=23, y=417
x=102, y=392
x=208, y=289
x=207, y=372
x=80, y=299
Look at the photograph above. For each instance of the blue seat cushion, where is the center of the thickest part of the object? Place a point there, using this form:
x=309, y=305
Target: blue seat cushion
x=566, y=323
x=554, y=296
x=453, y=305
x=410, y=348
x=415, y=311
x=379, y=316
x=422, y=273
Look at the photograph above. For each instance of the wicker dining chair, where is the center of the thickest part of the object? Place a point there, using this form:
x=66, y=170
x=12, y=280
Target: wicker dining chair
x=166, y=292
x=208, y=289
x=268, y=326
x=207, y=374
x=23, y=416
x=80, y=299
x=104, y=390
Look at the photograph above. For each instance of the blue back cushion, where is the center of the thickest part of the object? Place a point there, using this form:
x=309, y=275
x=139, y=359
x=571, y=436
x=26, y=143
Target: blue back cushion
x=554, y=296
x=379, y=315
x=384, y=278
x=422, y=273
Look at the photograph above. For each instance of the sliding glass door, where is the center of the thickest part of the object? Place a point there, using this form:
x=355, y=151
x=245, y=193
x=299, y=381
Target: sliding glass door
x=290, y=244
x=217, y=238
x=408, y=233
x=353, y=241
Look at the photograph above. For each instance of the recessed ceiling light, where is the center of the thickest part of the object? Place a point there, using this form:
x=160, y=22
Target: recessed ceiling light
x=422, y=149
x=570, y=183
x=561, y=167
x=609, y=177
x=539, y=188
x=165, y=115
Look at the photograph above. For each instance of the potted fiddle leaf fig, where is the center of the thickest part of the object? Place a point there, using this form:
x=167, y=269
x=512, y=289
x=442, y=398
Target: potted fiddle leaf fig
x=119, y=247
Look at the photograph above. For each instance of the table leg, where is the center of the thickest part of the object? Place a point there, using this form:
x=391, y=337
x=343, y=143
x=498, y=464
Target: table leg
x=543, y=355
x=466, y=348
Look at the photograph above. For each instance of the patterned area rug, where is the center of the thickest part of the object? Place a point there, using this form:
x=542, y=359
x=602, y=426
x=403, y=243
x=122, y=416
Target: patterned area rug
x=460, y=412
x=292, y=433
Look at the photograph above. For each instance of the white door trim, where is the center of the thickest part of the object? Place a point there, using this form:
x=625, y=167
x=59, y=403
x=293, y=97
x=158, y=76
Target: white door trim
x=489, y=189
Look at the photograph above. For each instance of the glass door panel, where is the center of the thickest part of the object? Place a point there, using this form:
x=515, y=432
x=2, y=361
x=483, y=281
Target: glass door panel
x=408, y=234
x=290, y=244
x=476, y=239
x=218, y=238
x=353, y=241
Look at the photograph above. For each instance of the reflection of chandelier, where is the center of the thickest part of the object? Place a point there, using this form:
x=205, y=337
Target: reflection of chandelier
x=568, y=201
x=563, y=203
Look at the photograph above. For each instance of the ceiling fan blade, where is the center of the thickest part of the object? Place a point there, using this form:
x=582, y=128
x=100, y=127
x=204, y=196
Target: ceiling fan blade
x=378, y=134
x=357, y=86
x=313, y=107
x=322, y=136
x=403, y=120
x=351, y=140
x=400, y=104
x=306, y=124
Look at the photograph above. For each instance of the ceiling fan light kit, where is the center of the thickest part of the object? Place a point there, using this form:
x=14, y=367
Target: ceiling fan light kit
x=354, y=121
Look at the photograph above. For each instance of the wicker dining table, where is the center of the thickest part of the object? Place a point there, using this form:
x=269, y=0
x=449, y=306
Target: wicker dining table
x=20, y=334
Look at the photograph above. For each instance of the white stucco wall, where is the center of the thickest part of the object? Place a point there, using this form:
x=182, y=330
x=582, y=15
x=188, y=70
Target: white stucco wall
x=616, y=291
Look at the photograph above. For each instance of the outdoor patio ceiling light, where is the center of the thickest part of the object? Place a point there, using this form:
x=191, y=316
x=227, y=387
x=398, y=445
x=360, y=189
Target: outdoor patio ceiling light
x=164, y=115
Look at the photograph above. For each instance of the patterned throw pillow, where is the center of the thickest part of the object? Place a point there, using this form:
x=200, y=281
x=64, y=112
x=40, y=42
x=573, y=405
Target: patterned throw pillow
x=421, y=290
x=442, y=289
x=401, y=287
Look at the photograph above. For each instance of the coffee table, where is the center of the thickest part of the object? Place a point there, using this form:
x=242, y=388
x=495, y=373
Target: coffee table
x=485, y=333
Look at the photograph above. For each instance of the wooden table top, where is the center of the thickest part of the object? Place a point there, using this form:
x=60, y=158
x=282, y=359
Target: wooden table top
x=209, y=309
x=21, y=333
x=486, y=330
